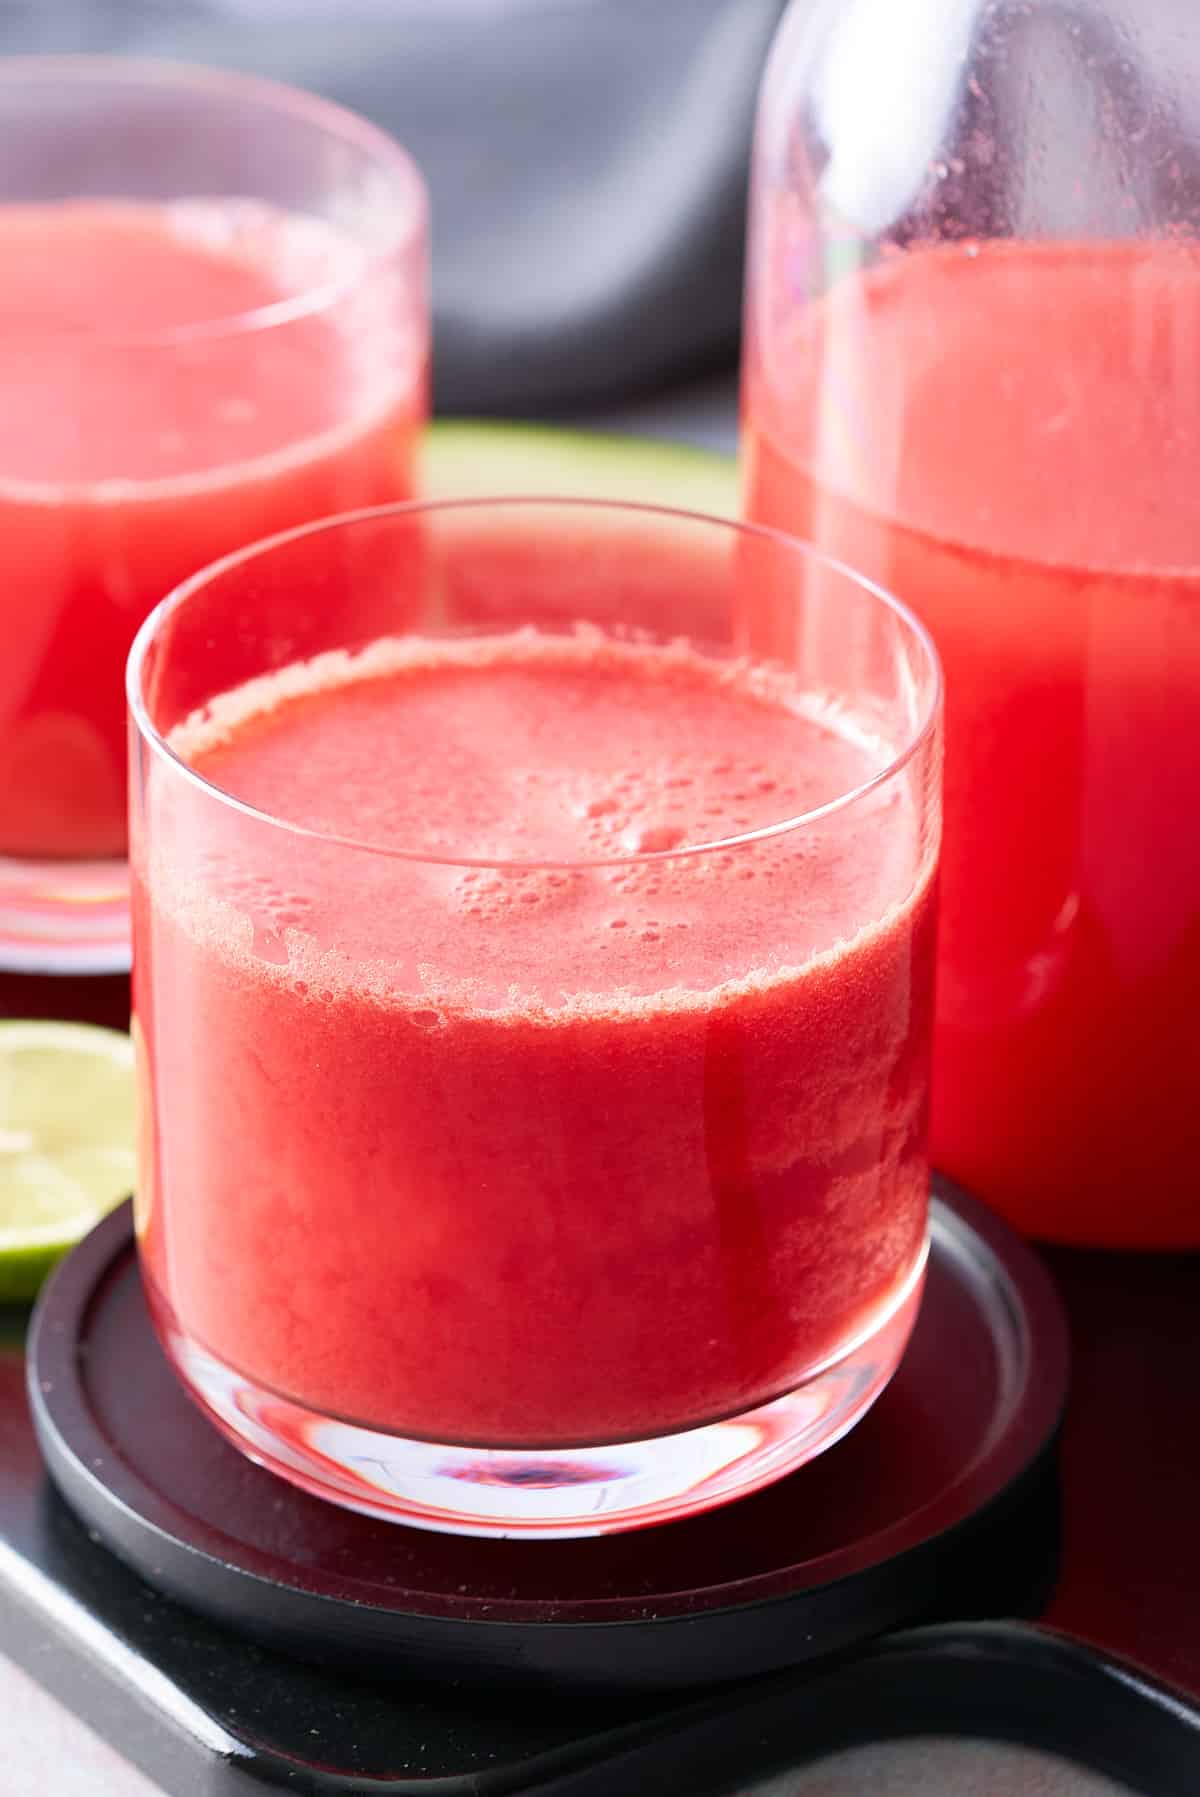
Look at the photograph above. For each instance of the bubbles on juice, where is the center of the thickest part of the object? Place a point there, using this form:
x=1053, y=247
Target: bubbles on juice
x=501, y=895
x=426, y=1019
x=266, y=907
x=655, y=839
x=268, y=945
x=656, y=807
x=276, y=908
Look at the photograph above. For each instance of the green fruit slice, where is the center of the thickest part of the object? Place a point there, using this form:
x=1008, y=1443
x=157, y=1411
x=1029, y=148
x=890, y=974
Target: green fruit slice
x=471, y=460
x=67, y=1132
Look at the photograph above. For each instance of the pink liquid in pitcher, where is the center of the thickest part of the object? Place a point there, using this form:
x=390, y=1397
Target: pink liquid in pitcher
x=1007, y=436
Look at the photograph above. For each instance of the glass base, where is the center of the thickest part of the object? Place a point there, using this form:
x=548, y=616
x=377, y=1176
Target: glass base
x=555, y=1492
x=64, y=916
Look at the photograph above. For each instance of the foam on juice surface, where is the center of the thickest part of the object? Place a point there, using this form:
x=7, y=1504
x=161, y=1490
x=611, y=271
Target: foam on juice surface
x=559, y=764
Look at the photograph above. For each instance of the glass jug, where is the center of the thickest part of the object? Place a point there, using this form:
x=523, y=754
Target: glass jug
x=972, y=371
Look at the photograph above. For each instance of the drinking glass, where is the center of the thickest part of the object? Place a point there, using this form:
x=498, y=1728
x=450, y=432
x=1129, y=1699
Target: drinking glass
x=972, y=343
x=213, y=325
x=532, y=988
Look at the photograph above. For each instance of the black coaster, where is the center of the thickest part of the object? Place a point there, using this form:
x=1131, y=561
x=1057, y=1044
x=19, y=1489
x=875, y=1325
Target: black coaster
x=934, y=1505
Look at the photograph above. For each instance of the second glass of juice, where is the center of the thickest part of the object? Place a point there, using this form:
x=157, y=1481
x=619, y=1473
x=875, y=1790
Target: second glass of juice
x=213, y=325
x=532, y=998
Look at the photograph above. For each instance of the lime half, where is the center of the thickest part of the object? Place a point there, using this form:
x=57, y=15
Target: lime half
x=67, y=1132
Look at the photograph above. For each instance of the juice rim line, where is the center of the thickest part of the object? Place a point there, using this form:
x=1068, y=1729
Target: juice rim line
x=292, y=104
x=400, y=399
x=919, y=737
x=1008, y=563
x=766, y=376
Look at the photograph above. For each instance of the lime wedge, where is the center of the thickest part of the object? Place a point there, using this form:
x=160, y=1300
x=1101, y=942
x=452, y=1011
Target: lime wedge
x=469, y=459
x=67, y=1132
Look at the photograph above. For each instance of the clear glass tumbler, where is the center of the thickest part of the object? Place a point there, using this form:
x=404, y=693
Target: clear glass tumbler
x=213, y=325
x=532, y=987
x=972, y=355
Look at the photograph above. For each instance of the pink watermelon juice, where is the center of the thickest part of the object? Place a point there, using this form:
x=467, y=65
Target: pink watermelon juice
x=526, y=1154
x=1008, y=437
x=178, y=379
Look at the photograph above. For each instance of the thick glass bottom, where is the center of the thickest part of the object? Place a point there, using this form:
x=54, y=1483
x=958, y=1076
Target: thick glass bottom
x=555, y=1492
x=64, y=916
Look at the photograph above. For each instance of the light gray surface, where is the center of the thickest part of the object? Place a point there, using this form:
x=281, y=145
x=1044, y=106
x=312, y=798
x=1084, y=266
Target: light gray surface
x=47, y=1750
x=940, y=1768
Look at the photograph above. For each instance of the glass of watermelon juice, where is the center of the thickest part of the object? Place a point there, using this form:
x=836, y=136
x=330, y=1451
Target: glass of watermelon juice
x=532, y=993
x=212, y=326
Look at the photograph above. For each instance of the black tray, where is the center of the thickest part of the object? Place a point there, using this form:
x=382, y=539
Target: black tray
x=991, y=1681
x=938, y=1504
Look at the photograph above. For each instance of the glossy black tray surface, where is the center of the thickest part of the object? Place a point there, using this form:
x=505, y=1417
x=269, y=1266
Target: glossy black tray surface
x=934, y=1505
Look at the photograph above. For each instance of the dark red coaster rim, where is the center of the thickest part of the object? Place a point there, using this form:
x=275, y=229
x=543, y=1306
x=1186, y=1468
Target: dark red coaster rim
x=591, y=1624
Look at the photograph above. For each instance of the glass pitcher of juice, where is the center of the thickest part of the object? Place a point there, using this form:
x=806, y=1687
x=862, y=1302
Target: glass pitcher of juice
x=972, y=371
